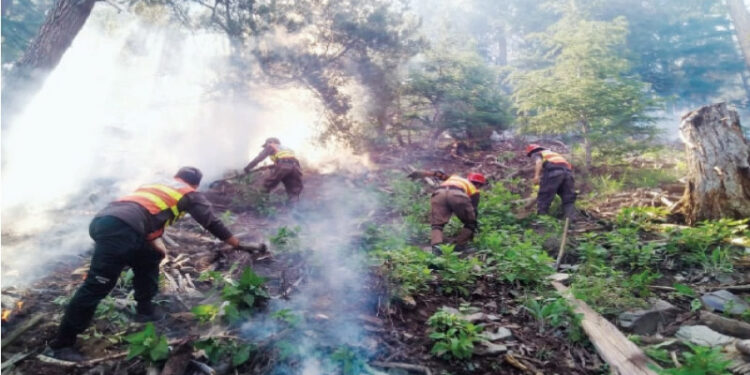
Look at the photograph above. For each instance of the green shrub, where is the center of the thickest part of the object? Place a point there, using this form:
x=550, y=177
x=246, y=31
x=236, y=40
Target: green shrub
x=606, y=290
x=702, y=360
x=453, y=336
x=247, y=291
x=217, y=349
x=205, y=313
x=147, y=344
x=456, y=274
x=407, y=270
x=515, y=258
x=286, y=239
x=555, y=313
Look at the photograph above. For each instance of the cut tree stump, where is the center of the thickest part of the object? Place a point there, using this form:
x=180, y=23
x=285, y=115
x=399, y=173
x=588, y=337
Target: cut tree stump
x=718, y=162
x=623, y=356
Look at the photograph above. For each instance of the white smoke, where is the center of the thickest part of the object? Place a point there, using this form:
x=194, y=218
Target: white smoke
x=335, y=289
x=130, y=103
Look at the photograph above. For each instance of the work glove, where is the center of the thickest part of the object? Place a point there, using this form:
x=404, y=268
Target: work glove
x=439, y=175
x=415, y=174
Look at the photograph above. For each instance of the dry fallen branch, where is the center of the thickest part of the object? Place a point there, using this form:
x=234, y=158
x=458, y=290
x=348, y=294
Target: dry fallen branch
x=726, y=326
x=21, y=329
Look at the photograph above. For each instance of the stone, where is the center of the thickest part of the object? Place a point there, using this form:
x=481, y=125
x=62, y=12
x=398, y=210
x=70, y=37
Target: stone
x=502, y=333
x=492, y=305
x=743, y=346
x=702, y=335
x=646, y=322
x=481, y=317
x=488, y=348
x=724, y=300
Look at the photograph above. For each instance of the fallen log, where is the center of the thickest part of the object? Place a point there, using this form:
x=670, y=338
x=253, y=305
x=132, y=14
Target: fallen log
x=623, y=356
x=726, y=326
x=21, y=329
x=403, y=366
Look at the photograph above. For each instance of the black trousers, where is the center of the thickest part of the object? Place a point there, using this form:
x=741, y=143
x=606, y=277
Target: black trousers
x=558, y=181
x=116, y=245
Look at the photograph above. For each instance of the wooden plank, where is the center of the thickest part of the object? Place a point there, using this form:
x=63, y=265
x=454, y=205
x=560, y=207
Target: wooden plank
x=623, y=356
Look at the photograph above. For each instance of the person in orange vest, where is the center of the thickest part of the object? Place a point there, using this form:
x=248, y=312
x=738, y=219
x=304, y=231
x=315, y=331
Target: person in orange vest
x=127, y=233
x=455, y=195
x=286, y=168
x=556, y=178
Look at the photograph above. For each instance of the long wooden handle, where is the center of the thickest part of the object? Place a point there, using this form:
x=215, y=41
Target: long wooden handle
x=562, y=243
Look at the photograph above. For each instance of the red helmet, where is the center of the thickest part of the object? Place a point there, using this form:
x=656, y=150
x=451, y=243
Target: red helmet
x=531, y=148
x=476, y=178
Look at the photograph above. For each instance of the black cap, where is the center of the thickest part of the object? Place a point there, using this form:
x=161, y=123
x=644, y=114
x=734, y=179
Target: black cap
x=191, y=175
x=271, y=140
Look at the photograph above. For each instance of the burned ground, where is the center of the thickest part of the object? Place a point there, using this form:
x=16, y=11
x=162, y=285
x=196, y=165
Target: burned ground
x=332, y=306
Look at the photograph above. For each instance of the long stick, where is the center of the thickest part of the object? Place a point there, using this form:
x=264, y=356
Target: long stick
x=562, y=244
x=21, y=329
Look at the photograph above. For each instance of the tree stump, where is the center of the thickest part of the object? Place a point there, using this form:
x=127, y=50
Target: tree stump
x=718, y=162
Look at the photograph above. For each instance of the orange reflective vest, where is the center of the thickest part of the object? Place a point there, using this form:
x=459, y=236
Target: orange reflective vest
x=462, y=183
x=281, y=152
x=157, y=198
x=554, y=158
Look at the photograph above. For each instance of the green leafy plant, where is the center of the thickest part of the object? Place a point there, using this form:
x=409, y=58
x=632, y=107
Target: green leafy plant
x=245, y=293
x=517, y=257
x=456, y=274
x=215, y=277
x=453, y=336
x=702, y=360
x=287, y=316
x=639, y=216
x=287, y=238
x=407, y=270
x=628, y=250
x=205, y=313
x=217, y=349
x=639, y=283
x=147, y=344
x=555, y=313
x=606, y=290
x=349, y=361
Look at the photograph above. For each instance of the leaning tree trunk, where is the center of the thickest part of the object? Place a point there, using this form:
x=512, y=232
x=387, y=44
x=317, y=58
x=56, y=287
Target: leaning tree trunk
x=718, y=162
x=56, y=34
x=60, y=27
x=741, y=21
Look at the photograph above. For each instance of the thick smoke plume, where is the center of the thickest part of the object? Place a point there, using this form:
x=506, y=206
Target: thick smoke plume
x=129, y=103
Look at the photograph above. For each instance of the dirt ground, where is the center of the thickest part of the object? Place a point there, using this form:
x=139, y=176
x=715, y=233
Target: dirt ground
x=390, y=332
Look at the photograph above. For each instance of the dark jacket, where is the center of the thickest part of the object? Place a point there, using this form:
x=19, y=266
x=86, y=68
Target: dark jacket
x=194, y=203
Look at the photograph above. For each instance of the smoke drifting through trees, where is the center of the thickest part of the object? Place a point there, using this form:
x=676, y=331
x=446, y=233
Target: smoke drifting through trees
x=130, y=102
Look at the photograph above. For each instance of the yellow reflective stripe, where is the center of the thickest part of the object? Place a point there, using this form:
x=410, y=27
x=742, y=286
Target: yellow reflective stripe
x=153, y=198
x=176, y=195
x=167, y=189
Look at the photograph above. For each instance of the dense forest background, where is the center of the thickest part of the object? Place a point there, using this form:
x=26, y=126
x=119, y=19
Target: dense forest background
x=590, y=71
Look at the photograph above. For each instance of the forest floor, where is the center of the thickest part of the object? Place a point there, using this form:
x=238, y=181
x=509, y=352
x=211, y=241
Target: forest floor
x=349, y=285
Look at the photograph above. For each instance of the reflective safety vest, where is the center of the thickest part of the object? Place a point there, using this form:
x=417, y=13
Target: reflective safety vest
x=281, y=152
x=462, y=183
x=555, y=158
x=158, y=198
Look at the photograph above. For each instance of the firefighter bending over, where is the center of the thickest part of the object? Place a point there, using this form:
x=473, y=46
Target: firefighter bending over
x=286, y=168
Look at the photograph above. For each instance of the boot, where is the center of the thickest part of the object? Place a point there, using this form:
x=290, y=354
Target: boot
x=61, y=347
x=436, y=237
x=569, y=211
x=147, y=312
x=464, y=236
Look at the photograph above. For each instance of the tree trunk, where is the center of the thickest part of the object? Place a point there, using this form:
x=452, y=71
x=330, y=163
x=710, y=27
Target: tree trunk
x=586, y=143
x=741, y=21
x=61, y=26
x=718, y=162
x=57, y=33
